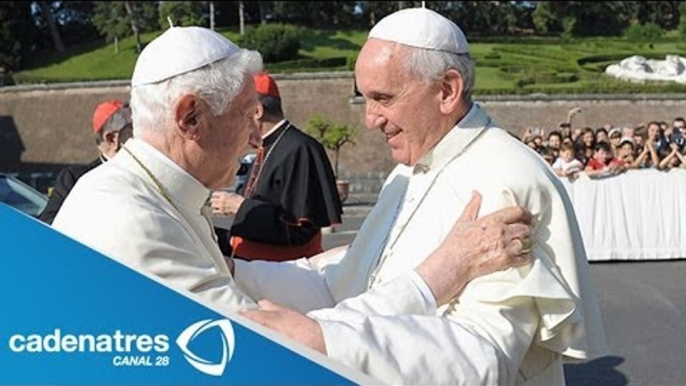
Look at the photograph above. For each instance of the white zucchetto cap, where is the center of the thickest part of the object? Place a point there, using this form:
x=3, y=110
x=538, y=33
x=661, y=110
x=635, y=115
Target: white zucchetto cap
x=422, y=28
x=180, y=50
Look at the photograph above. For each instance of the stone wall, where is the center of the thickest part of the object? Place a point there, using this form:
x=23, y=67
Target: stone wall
x=43, y=128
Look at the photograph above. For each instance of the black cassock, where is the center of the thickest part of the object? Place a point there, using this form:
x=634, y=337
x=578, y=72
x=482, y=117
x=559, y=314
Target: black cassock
x=290, y=195
x=64, y=183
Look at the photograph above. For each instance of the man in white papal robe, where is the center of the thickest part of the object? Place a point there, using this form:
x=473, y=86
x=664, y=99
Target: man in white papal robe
x=509, y=327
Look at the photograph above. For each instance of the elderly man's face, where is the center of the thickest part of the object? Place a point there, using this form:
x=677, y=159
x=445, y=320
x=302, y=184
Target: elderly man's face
x=229, y=135
x=404, y=108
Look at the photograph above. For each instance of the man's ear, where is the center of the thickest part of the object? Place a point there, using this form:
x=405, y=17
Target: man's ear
x=259, y=113
x=189, y=116
x=452, y=86
x=110, y=138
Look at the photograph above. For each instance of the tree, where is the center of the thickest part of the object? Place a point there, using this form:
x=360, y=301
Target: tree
x=211, y=6
x=241, y=17
x=134, y=25
x=663, y=13
x=112, y=21
x=276, y=42
x=17, y=33
x=331, y=135
x=75, y=20
x=580, y=18
x=182, y=13
x=52, y=26
x=373, y=11
x=117, y=19
x=546, y=19
x=682, y=23
x=644, y=33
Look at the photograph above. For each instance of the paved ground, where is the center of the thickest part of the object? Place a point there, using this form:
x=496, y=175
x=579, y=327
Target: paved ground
x=643, y=305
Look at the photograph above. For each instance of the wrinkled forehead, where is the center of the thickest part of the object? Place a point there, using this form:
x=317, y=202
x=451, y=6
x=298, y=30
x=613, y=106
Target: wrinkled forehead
x=376, y=52
x=381, y=62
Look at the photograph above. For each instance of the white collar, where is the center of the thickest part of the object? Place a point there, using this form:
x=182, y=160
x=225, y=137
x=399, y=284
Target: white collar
x=273, y=129
x=181, y=185
x=455, y=141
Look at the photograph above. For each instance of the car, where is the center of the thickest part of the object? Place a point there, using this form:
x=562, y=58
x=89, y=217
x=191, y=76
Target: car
x=21, y=196
x=242, y=174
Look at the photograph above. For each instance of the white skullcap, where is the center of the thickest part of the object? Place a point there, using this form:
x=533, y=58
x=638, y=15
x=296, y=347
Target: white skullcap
x=180, y=50
x=422, y=28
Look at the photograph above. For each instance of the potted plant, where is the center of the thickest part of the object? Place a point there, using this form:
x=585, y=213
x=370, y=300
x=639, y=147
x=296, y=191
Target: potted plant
x=333, y=136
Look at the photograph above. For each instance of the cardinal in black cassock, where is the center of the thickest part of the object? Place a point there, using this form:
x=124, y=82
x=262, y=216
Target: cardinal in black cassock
x=291, y=192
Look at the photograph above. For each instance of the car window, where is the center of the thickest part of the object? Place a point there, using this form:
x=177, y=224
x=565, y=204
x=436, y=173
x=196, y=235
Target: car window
x=21, y=196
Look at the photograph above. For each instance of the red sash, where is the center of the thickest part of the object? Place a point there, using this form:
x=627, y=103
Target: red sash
x=251, y=250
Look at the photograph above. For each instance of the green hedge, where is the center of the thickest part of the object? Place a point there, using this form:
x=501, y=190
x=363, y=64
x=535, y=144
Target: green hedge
x=308, y=63
x=276, y=42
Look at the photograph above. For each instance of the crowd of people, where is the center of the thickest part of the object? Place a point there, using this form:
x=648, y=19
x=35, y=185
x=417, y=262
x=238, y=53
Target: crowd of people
x=608, y=150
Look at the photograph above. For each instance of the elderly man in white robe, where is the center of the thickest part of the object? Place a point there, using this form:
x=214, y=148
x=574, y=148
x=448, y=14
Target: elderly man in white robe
x=509, y=327
x=194, y=101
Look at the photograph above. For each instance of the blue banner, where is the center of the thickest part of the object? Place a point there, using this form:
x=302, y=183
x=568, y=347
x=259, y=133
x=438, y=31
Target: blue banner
x=73, y=316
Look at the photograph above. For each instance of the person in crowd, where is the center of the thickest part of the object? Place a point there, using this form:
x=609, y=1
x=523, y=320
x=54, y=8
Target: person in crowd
x=615, y=137
x=193, y=100
x=554, y=142
x=566, y=165
x=111, y=128
x=646, y=154
x=532, y=137
x=291, y=193
x=504, y=328
x=655, y=136
x=548, y=154
x=665, y=130
x=601, y=135
x=565, y=130
x=678, y=135
x=587, y=144
x=639, y=138
x=672, y=158
x=603, y=164
x=576, y=134
x=626, y=153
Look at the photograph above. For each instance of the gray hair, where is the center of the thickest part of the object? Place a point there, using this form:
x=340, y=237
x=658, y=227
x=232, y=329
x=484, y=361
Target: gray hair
x=431, y=65
x=216, y=84
x=116, y=122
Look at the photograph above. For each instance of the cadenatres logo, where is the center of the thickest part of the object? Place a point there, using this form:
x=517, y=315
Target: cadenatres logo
x=132, y=349
x=204, y=365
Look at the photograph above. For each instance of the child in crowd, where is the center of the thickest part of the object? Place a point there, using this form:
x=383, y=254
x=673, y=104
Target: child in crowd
x=603, y=164
x=615, y=139
x=625, y=153
x=548, y=154
x=566, y=165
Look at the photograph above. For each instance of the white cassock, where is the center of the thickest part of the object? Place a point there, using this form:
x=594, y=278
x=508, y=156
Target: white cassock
x=509, y=327
x=118, y=210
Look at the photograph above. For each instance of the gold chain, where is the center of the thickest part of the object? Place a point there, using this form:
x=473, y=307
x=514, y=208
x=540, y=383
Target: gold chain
x=154, y=179
x=249, y=189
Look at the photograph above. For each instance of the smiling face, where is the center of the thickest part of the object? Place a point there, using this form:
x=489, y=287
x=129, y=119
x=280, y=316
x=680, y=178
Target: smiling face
x=626, y=150
x=409, y=112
